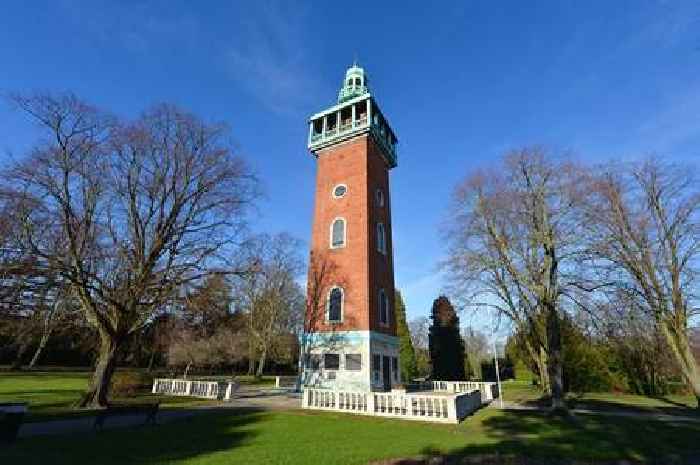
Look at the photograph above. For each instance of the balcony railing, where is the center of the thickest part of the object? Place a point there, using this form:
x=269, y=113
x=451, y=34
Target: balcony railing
x=349, y=126
x=346, y=93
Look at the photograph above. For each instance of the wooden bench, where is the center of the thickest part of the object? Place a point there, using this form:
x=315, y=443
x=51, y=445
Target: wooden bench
x=148, y=410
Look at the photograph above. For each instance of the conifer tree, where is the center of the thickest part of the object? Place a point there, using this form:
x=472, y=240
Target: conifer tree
x=407, y=355
x=445, y=342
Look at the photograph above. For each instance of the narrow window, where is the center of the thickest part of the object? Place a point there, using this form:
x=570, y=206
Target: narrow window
x=331, y=361
x=381, y=238
x=383, y=307
x=338, y=233
x=395, y=369
x=376, y=366
x=380, y=197
x=335, y=305
x=353, y=362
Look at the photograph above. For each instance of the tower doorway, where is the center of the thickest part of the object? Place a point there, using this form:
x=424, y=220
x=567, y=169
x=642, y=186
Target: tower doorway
x=386, y=372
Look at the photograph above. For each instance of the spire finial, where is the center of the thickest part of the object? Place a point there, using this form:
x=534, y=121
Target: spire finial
x=354, y=59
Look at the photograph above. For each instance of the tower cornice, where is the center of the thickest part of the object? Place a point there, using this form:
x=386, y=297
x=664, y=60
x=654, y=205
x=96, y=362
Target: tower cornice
x=349, y=119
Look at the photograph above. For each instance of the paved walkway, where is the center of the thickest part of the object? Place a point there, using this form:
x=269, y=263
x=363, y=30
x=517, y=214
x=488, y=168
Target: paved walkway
x=247, y=397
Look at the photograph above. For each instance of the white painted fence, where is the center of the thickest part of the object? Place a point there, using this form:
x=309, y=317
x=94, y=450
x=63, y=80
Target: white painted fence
x=489, y=391
x=287, y=382
x=445, y=408
x=194, y=388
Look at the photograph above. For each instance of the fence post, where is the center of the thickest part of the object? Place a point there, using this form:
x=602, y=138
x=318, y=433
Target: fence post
x=188, y=389
x=370, y=403
x=452, y=410
x=155, y=386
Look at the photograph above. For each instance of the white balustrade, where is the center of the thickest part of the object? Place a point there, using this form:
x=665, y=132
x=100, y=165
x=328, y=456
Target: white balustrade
x=194, y=388
x=489, y=391
x=444, y=408
x=286, y=382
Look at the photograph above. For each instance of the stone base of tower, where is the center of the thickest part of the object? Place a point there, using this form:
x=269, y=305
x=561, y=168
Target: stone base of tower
x=350, y=361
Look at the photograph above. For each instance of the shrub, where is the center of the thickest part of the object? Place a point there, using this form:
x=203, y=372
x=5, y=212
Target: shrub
x=129, y=383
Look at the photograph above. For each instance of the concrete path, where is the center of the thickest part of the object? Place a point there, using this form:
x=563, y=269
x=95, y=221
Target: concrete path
x=247, y=397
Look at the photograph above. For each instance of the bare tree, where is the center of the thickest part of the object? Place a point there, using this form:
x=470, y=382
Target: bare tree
x=188, y=348
x=514, y=246
x=32, y=296
x=269, y=293
x=476, y=350
x=419, y=329
x=646, y=221
x=136, y=210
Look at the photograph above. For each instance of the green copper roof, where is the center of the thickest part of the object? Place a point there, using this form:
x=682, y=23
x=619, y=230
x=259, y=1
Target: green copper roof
x=354, y=84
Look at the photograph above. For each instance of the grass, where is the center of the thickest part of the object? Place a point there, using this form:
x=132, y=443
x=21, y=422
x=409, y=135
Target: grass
x=523, y=392
x=51, y=395
x=305, y=437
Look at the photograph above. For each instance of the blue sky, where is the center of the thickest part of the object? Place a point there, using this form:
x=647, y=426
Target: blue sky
x=460, y=83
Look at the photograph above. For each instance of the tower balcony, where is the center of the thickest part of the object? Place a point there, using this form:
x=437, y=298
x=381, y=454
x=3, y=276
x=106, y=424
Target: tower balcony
x=349, y=92
x=349, y=119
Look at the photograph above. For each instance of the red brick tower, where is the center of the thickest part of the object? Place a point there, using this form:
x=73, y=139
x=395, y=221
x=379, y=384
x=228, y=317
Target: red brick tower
x=350, y=338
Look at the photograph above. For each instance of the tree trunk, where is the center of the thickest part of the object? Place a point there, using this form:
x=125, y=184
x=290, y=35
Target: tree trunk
x=42, y=344
x=17, y=363
x=187, y=370
x=677, y=338
x=554, y=358
x=261, y=364
x=149, y=369
x=98, y=392
x=541, y=361
x=251, y=358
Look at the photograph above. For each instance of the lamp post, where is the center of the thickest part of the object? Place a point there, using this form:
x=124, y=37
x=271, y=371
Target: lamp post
x=498, y=372
x=495, y=359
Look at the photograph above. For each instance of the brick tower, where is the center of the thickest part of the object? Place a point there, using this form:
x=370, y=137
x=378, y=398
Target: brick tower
x=349, y=340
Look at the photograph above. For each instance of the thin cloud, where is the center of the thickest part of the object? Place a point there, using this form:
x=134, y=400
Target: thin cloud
x=269, y=59
x=137, y=28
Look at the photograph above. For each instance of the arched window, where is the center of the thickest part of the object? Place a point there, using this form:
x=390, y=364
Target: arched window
x=357, y=81
x=338, y=233
x=383, y=307
x=334, y=307
x=381, y=238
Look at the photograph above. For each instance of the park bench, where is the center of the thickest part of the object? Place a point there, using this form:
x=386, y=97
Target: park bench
x=148, y=410
x=11, y=416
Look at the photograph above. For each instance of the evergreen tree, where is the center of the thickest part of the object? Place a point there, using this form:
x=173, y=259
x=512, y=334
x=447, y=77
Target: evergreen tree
x=445, y=341
x=407, y=355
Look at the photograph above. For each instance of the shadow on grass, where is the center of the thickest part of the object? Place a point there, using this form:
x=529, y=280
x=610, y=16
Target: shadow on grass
x=196, y=436
x=581, y=401
x=603, y=405
x=528, y=438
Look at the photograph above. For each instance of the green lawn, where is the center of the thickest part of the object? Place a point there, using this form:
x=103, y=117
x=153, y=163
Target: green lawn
x=304, y=437
x=671, y=404
x=52, y=394
x=301, y=437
